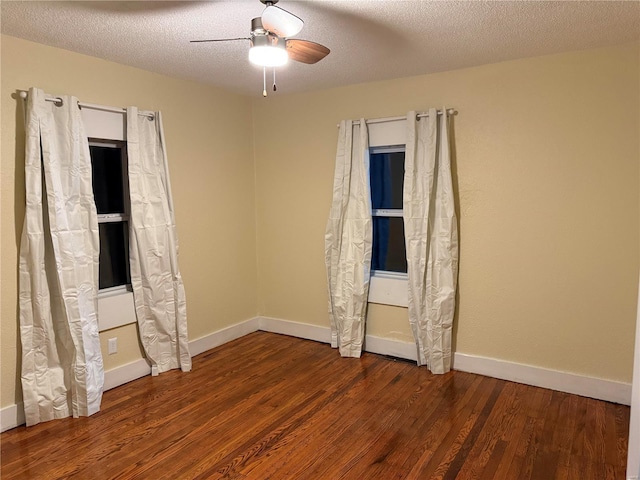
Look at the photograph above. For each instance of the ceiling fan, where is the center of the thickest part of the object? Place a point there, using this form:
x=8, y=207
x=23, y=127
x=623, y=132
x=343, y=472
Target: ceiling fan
x=270, y=42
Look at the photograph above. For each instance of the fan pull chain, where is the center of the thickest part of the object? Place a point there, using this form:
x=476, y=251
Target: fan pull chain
x=274, y=80
x=264, y=81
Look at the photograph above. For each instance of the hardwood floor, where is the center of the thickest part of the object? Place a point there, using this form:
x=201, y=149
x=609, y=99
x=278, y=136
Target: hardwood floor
x=268, y=406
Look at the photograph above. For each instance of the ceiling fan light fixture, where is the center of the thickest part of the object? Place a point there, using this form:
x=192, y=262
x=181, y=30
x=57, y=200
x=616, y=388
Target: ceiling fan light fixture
x=268, y=56
x=268, y=51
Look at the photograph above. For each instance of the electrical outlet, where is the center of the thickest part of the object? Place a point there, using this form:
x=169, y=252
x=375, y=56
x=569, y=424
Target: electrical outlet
x=113, y=345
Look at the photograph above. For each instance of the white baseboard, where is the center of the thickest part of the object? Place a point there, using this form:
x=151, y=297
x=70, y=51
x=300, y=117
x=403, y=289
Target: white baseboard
x=383, y=346
x=601, y=389
x=295, y=329
x=126, y=373
x=215, y=339
x=598, y=388
x=388, y=346
x=11, y=416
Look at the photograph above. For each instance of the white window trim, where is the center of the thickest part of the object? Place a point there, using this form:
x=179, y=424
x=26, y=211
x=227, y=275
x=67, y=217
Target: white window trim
x=388, y=149
x=386, y=289
x=391, y=275
x=117, y=290
x=115, y=309
x=112, y=217
x=386, y=212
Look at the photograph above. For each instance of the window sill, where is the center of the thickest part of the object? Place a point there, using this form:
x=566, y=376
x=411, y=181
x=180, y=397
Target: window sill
x=110, y=292
x=388, y=288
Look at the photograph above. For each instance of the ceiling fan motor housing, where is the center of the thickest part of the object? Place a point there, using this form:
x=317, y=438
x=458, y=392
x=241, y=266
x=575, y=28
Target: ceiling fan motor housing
x=268, y=40
x=256, y=27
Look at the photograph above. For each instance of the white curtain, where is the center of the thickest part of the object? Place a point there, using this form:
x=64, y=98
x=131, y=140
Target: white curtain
x=431, y=236
x=62, y=372
x=348, y=240
x=158, y=290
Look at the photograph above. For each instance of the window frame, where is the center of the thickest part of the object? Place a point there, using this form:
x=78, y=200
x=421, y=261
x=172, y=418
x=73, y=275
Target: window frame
x=124, y=217
x=115, y=309
x=388, y=287
x=388, y=212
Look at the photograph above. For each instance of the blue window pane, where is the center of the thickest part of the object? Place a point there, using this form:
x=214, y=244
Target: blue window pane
x=386, y=171
x=389, y=252
x=113, y=269
x=107, y=174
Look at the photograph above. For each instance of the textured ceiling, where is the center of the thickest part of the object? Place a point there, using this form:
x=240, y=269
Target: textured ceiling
x=369, y=39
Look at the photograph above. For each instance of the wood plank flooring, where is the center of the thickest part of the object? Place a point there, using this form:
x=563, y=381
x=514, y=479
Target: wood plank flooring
x=268, y=406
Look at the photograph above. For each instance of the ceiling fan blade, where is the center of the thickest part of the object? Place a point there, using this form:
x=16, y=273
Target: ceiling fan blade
x=279, y=21
x=220, y=40
x=305, y=51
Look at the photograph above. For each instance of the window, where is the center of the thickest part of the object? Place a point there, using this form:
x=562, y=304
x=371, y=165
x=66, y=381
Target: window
x=111, y=193
x=115, y=304
x=388, y=258
x=386, y=167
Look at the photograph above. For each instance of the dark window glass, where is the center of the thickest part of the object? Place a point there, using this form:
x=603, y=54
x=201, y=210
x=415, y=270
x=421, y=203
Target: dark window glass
x=389, y=252
x=113, y=254
x=107, y=171
x=387, y=177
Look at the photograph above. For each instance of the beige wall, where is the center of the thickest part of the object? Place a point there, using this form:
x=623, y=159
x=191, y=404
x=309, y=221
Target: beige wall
x=546, y=165
x=210, y=148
